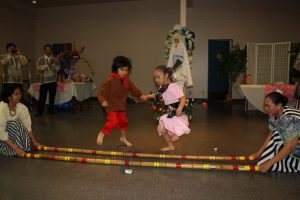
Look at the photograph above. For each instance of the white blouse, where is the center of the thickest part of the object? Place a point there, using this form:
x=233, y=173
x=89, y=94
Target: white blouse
x=22, y=115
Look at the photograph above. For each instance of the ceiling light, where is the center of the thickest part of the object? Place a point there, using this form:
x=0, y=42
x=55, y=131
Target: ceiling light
x=34, y=1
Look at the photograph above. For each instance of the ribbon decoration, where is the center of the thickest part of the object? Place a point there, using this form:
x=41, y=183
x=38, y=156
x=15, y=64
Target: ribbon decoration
x=61, y=87
x=37, y=87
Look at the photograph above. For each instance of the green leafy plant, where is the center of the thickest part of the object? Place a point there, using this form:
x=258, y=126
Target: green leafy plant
x=231, y=65
x=159, y=108
x=294, y=74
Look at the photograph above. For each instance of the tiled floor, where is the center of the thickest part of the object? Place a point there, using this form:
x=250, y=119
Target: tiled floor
x=216, y=126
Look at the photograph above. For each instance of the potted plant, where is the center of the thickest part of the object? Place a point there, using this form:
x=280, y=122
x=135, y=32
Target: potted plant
x=231, y=65
x=295, y=67
x=294, y=71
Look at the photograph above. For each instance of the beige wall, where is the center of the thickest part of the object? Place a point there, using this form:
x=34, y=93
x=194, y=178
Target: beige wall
x=17, y=22
x=138, y=30
x=242, y=21
x=134, y=29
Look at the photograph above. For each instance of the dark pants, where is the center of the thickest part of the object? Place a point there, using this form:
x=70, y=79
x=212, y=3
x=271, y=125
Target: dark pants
x=44, y=89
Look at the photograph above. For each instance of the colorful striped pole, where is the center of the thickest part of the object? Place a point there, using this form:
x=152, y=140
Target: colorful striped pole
x=145, y=155
x=144, y=163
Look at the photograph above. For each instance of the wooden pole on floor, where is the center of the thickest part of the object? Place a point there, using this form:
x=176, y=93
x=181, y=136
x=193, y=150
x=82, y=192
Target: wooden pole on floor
x=144, y=163
x=146, y=155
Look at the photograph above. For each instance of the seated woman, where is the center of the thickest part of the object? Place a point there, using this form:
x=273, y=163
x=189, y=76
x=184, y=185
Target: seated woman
x=16, y=136
x=281, y=149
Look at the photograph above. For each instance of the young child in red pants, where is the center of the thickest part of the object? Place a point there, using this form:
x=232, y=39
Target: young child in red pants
x=113, y=95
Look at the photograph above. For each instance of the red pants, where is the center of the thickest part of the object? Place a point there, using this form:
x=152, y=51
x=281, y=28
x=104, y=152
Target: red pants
x=115, y=120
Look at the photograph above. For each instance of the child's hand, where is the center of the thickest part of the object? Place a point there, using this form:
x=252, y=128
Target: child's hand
x=179, y=112
x=105, y=104
x=147, y=97
x=144, y=97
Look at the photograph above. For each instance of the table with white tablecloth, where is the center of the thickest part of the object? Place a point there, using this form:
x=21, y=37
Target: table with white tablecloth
x=255, y=94
x=66, y=91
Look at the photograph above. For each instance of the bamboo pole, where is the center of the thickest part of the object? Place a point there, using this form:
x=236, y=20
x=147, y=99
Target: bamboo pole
x=145, y=155
x=144, y=163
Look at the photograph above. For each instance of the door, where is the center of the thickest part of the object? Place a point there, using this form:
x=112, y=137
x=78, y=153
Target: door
x=217, y=88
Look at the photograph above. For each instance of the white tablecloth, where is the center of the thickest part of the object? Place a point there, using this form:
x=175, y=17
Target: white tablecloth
x=255, y=95
x=66, y=91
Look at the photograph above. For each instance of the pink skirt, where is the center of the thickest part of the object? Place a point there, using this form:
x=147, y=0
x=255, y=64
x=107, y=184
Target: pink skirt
x=173, y=126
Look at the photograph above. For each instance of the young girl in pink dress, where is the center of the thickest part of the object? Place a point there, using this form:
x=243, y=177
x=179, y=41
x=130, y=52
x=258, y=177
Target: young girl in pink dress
x=175, y=123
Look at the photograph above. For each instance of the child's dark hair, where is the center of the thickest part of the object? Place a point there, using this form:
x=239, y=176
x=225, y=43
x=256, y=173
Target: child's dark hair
x=166, y=70
x=9, y=89
x=119, y=62
x=278, y=98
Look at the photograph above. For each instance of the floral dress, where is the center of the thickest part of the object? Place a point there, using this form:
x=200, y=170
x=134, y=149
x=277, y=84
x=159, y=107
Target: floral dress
x=288, y=127
x=284, y=129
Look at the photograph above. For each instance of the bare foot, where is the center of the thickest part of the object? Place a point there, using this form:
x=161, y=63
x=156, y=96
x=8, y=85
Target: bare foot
x=168, y=148
x=174, y=138
x=100, y=138
x=125, y=141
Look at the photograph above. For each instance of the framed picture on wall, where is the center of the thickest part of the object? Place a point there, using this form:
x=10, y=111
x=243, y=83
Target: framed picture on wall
x=61, y=47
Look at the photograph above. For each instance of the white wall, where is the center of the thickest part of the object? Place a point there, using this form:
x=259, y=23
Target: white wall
x=134, y=29
x=17, y=21
x=242, y=21
x=138, y=30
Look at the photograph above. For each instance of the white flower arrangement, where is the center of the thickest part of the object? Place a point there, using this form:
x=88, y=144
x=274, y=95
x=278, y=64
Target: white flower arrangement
x=187, y=36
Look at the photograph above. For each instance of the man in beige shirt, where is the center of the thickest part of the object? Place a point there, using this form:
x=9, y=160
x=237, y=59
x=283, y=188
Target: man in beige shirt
x=47, y=66
x=12, y=63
